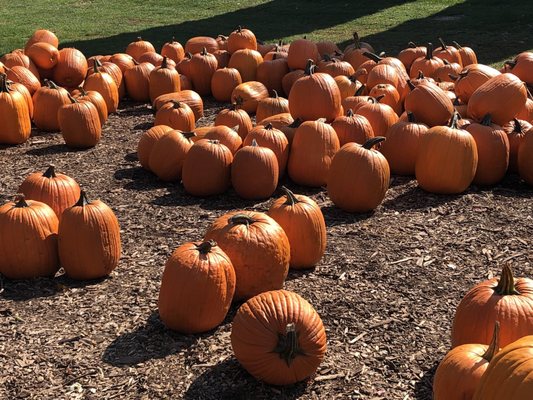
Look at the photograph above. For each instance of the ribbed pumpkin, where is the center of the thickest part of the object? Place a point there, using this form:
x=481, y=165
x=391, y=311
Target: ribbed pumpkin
x=96, y=98
x=89, y=239
x=472, y=77
x=47, y=101
x=300, y=51
x=203, y=66
x=288, y=80
x=460, y=371
x=381, y=74
x=173, y=50
x=189, y=97
x=153, y=58
x=235, y=116
x=18, y=87
x=388, y=95
x=147, y=141
x=448, y=53
x=352, y=128
x=57, y=190
x=468, y=56
x=274, y=139
x=254, y=172
x=303, y=222
x=380, y=116
x=493, y=151
x=225, y=135
x=223, y=82
x=507, y=300
x=408, y=55
x=429, y=104
x=487, y=99
x=401, y=147
x=223, y=57
x=258, y=248
x=427, y=64
x=521, y=67
x=164, y=80
x=168, y=154
x=207, y=168
x=246, y=62
x=447, y=160
x=137, y=80
x=359, y=177
x=516, y=132
x=527, y=111
x=447, y=72
x=103, y=83
x=271, y=106
x=525, y=158
x=356, y=100
x=314, y=96
x=271, y=73
x=24, y=76
x=509, y=373
x=354, y=52
x=123, y=61
x=71, y=68
x=28, y=239
x=138, y=47
x=241, y=38
x=198, y=43
x=348, y=85
x=313, y=147
x=177, y=115
x=43, y=54
x=196, y=288
x=247, y=94
x=42, y=35
x=15, y=116
x=278, y=337
x=18, y=59
x=79, y=124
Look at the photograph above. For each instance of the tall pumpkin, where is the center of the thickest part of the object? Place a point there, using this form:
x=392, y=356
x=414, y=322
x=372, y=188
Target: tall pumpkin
x=15, y=116
x=137, y=80
x=79, y=123
x=89, y=239
x=278, y=337
x=223, y=82
x=258, y=248
x=203, y=66
x=274, y=139
x=168, y=153
x=147, y=142
x=196, y=288
x=105, y=84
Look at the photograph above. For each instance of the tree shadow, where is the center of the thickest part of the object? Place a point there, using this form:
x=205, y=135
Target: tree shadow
x=424, y=386
x=229, y=381
x=28, y=289
x=301, y=18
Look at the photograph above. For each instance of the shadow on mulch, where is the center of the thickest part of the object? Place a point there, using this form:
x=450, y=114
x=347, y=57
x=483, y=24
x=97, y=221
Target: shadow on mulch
x=238, y=385
x=424, y=387
x=416, y=198
x=52, y=149
x=299, y=273
x=334, y=216
x=131, y=156
x=511, y=186
x=139, y=178
x=143, y=126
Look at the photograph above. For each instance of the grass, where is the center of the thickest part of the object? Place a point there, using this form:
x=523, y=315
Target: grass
x=496, y=31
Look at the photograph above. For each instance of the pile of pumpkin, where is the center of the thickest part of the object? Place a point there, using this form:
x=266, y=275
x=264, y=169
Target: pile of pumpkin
x=494, y=313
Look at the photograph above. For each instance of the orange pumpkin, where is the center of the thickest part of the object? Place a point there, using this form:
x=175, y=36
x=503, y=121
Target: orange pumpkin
x=271, y=73
x=246, y=62
x=427, y=64
x=225, y=135
x=271, y=106
x=223, y=82
x=429, y=104
x=96, y=98
x=173, y=50
x=300, y=51
x=241, y=38
x=472, y=77
x=168, y=154
x=15, y=116
x=177, y=115
x=47, y=101
x=189, y=97
x=274, y=139
x=247, y=94
x=137, y=80
x=71, y=68
x=525, y=159
x=198, y=43
x=105, y=84
x=380, y=116
x=235, y=116
x=352, y=128
x=44, y=55
x=164, y=80
x=79, y=123
x=516, y=132
x=42, y=35
x=138, y=47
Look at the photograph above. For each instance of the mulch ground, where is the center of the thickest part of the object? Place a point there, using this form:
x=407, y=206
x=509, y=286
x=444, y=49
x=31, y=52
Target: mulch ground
x=386, y=289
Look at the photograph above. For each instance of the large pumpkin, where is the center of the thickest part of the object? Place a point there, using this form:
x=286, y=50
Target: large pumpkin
x=168, y=154
x=197, y=287
x=15, y=116
x=258, y=248
x=429, y=104
x=278, y=337
x=177, y=115
x=80, y=124
x=303, y=222
x=472, y=77
x=203, y=66
x=89, y=239
x=71, y=67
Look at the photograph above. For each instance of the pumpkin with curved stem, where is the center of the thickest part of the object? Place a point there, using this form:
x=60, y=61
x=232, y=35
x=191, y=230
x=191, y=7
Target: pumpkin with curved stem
x=177, y=115
x=358, y=99
x=274, y=139
x=493, y=151
x=207, y=168
x=427, y=64
x=429, y=104
x=241, y=38
x=89, y=239
x=47, y=101
x=223, y=82
x=189, y=97
x=15, y=116
x=352, y=128
x=271, y=73
x=168, y=154
x=235, y=116
x=43, y=54
x=254, y=172
x=358, y=177
x=104, y=84
x=408, y=55
x=203, y=66
x=278, y=337
x=137, y=80
x=57, y=190
x=196, y=288
x=300, y=52
x=225, y=135
x=271, y=106
x=353, y=53
x=42, y=35
x=246, y=62
x=164, y=80
x=94, y=97
x=138, y=47
x=468, y=56
x=258, y=248
x=71, y=68
x=388, y=95
x=380, y=116
x=247, y=94
x=313, y=147
x=448, y=53
x=196, y=45
x=303, y=222
x=19, y=87
x=147, y=142
x=173, y=50
x=516, y=132
x=28, y=239
x=472, y=77
x=507, y=300
x=460, y=371
x=79, y=123
x=348, y=85
x=525, y=159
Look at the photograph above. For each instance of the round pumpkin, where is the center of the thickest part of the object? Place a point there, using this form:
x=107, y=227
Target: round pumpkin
x=223, y=82
x=42, y=35
x=71, y=68
x=147, y=141
x=235, y=116
x=241, y=38
x=177, y=115
x=168, y=153
x=138, y=47
x=164, y=80
x=47, y=101
x=79, y=123
x=352, y=128
x=248, y=94
x=429, y=104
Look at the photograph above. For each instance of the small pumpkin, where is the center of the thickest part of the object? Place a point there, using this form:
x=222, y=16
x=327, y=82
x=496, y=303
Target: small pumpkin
x=246, y=62
x=138, y=47
x=173, y=50
x=47, y=101
x=96, y=98
x=189, y=97
x=235, y=116
x=270, y=106
x=516, y=133
x=197, y=43
x=352, y=128
x=427, y=64
x=225, y=135
x=271, y=73
x=380, y=116
x=43, y=54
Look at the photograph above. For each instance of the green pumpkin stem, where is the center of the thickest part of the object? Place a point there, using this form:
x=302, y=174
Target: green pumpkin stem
x=241, y=219
x=72, y=99
x=291, y=197
x=373, y=141
x=429, y=51
x=506, y=285
x=356, y=41
x=20, y=201
x=487, y=120
x=205, y=247
x=457, y=45
x=83, y=200
x=494, y=345
x=288, y=346
x=50, y=172
x=164, y=63
x=411, y=45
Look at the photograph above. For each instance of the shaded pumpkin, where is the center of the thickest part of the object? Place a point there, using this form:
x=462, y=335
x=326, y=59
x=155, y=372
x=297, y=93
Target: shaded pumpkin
x=300, y=52
x=235, y=116
x=468, y=56
x=173, y=50
x=271, y=73
x=177, y=115
x=270, y=106
x=197, y=43
x=516, y=132
x=137, y=79
x=223, y=82
x=147, y=141
x=525, y=158
x=168, y=154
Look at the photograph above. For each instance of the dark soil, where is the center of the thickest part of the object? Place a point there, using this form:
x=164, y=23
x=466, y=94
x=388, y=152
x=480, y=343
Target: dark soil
x=386, y=289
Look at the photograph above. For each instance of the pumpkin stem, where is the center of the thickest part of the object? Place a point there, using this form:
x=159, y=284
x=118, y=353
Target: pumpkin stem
x=288, y=347
x=72, y=99
x=269, y=126
x=96, y=64
x=239, y=29
x=274, y=94
x=410, y=116
x=411, y=45
x=204, y=52
x=139, y=39
x=254, y=143
x=359, y=92
x=175, y=103
x=378, y=98
x=291, y=197
x=455, y=118
x=506, y=285
x=310, y=67
x=356, y=41
x=494, y=343
x=205, y=247
x=446, y=62
x=83, y=200
x=373, y=141
x=372, y=56
x=4, y=88
x=429, y=52
x=442, y=44
x=349, y=113
x=241, y=219
x=453, y=77
x=82, y=90
x=51, y=84
x=517, y=126
x=188, y=135
x=487, y=120
x=164, y=63
x=50, y=172
x=411, y=84
x=457, y=45
x=296, y=123
x=20, y=201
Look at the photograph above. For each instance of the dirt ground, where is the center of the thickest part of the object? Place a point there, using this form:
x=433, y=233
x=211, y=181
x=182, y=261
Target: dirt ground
x=386, y=289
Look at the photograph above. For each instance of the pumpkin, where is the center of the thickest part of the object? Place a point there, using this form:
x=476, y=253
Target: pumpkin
x=527, y=111
x=459, y=373
x=47, y=101
x=185, y=83
x=448, y=53
x=57, y=190
x=24, y=76
x=278, y=337
x=408, y=55
x=285, y=123
x=223, y=57
x=487, y=99
x=189, y=97
x=429, y=104
x=123, y=61
x=472, y=77
x=303, y=222
x=324, y=92
x=173, y=50
x=15, y=116
x=96, y=98
x=447, y=72
x=288, y=80
x=353, y=102
x=508, y=375
x=177, y=115
x=207, y=168
x=89, y=239
x=353, y=53
x=401, y=147
x=42, y=35
x=247, y=94
x=516, y=132
x=28, y=239
x=17, y=58
x=223, y=82
x=235, y=116
x=196, y=288
x=258, y=248
x=198, y=43
x=225, y=135
x=521, y=67
x=271, y=73
x=270, y=106
x=382, y=73
x=336, y=67
x=153, y=58
x=507, y=300
x=163, y=80
x=388, y=95
x=147, y=141
x=71, y=68
x=19, y=87
x=300, y=52
x=359, y=177
x=427, y=64
x=43, y=54
x=313, y=147
x=222, y=42
x=138, y=47
x=79, y=123
x=327, y=47
x=137, y=80
x=380, y=116
x=168, y=154
x=468, y=56
x=274, y=139
x=352, y=128
x=493, y=151
x=203, y=66
x=241, y=38
x=254, y=172
x=246, y=62
x=348, y=85
x=103, y=83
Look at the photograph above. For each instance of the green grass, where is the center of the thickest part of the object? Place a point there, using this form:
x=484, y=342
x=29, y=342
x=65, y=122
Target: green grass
x=496, y=30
